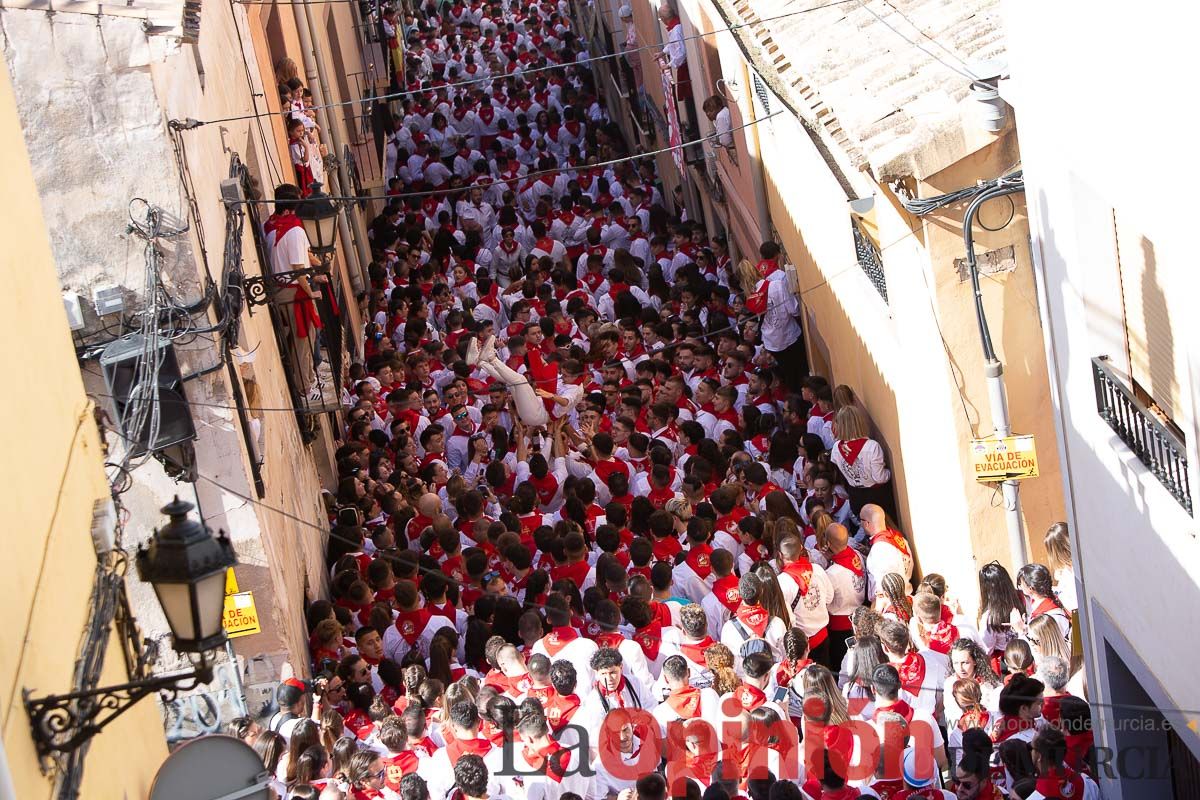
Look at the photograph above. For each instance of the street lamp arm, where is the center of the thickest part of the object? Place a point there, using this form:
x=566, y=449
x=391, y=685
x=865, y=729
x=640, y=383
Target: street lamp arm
x=63, y=722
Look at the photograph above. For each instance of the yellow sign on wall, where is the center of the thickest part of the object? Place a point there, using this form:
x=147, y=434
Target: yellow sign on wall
x=1007, y=458
x=241, y=617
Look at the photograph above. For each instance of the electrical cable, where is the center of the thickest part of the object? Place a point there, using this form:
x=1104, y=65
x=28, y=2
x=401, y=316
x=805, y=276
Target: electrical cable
x=532, y=175
x=968, y=75
x=927, y=205
x=192, y=124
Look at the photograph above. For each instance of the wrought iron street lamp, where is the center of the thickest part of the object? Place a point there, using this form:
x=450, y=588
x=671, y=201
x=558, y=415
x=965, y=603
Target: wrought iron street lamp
x=319, y=214
x=186, y=566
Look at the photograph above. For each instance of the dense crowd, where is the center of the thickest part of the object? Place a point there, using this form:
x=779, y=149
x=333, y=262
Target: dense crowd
x=592, y=507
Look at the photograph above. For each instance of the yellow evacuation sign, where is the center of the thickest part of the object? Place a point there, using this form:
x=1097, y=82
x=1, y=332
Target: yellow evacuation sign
x=231, y=586
x=1007, y=458
x=241, y=617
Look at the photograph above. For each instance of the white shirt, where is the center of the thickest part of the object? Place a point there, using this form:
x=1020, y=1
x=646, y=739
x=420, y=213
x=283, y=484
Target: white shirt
x=810, y=613
x=290, y=251
x=780, y=329
x=578, y=652
x=883, y=558
x=869, y=469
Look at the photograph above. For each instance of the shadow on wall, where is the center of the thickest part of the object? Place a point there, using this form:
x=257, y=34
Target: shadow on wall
x=856, y=366
x=1137, y=768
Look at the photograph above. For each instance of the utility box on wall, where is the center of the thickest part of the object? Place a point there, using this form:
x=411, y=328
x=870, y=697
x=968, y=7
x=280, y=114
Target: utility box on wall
x=121, y=364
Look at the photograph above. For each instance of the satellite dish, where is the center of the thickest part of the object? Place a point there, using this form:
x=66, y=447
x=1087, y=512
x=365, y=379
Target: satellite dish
x=212, y=768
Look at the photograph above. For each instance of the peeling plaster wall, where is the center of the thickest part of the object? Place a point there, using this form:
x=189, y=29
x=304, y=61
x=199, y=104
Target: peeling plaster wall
x=94, y=96
x=96, y=138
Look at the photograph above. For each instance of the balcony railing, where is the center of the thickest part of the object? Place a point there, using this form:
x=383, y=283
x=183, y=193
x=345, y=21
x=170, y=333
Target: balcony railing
x=1157, y=446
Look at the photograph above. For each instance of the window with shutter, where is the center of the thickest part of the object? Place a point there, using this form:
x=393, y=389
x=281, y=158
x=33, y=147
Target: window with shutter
x=1150, y=341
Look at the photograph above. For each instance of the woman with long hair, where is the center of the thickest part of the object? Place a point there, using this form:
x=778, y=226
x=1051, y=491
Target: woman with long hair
x=339, y=760
x=311, y=769
x=998, y=599
x=967, y=696
x=1044, y=643
x=1062, y=568
x=785, y=674
x=969, y=662
x=863, y=655
x=1037, y=586
x=771, y=596
x=305, y=734
x=860, y=460
x=270, y=747
x=1018, y=660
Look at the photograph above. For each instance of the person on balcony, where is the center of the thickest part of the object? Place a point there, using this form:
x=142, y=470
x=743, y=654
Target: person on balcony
x=289, y=247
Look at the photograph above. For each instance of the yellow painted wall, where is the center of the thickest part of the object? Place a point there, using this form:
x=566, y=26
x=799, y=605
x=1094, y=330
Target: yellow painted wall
x=908, y=358
x=52, y=473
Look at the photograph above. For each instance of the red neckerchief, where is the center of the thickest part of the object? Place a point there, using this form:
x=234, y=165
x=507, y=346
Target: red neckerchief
x=604, y=638
x=1010, y=726
x=666, y=549
x=548, y=760
x=616, y=288
x=699, y=559
x=446, y=610
x=887, y=790
x=658, y=499
x=894, y=539
x=411, y=624
x=397, y=766
x=616, y=696
x=576, y=573
x=649, y=639
x=850, y=559
x=942, y=637
x=801, y=572
x=694, y=652
x=850, y=448
x=545, y=487
x=685, y=702
x=281, y=223
x=456, y=748
x=750, y=697
x=899, y=707
x=754, y=617
x=1061, y=783
x=788, y=670
x=1044, y=606
x=559, y=638
x=560, y=709
x=726, y=591
x=912, y=672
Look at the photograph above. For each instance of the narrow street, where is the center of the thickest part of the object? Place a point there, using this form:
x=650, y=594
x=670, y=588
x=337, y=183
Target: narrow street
x=588, y=401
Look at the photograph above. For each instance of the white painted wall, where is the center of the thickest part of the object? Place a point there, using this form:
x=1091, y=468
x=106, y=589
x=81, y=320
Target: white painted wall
x=1105, y=110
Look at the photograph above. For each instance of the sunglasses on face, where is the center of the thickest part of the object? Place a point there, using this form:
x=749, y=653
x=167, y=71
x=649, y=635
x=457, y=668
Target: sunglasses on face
x=488, y=577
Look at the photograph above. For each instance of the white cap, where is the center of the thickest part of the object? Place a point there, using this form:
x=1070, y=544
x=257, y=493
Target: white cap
x=625, y=12
x=910, y=770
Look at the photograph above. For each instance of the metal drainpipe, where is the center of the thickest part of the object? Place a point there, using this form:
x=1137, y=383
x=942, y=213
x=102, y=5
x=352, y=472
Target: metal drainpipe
x=993, y=370
x=314, y=70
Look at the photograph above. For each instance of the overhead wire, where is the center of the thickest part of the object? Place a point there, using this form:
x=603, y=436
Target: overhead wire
x=531, y=175
x=192, y=124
